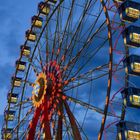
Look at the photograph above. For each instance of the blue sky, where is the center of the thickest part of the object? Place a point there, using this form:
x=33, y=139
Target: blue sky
x=15, y=17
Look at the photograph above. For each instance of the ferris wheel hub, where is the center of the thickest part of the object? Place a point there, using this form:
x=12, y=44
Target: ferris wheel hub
x=39, y=89
x=48, y=84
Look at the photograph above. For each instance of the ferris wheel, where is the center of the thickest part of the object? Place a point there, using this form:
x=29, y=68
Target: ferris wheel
x=75, y=76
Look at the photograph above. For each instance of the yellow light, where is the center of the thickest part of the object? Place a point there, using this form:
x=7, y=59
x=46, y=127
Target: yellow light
x=32, y=37
x=119, y=136
x=135, y=67
x=13, y=99
x=44, y=136
x=38, y=23
x=17, y=83
x=21, y=67
x=126, y=70
x=124, y=102
x=7, y=136
x=26, y=52
x=125, y=133
x=131, y=12
x=136, y=100
x=131, y=98
x=46, y=10
x=134, y=37
x=125, y=41
x=121, y=16
x=132, y=135
x=119, y=0
x=10, y=117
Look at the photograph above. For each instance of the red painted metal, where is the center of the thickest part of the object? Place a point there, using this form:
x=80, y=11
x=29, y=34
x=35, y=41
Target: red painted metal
x=60, y=124
x=75, y=130
x=49, y=105
x=33, y=124
x=46, y=121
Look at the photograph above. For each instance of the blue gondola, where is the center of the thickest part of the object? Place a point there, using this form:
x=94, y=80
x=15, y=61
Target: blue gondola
x=25, y=50
x=129, y=11
x=12, y=98
x=44, y=8
x=131, y=36
x=128, y=131
x=37, y=21
x=132, y=65
x=131, y=97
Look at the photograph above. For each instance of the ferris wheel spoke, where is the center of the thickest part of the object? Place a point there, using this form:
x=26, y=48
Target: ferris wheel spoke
x=89, y=31
x=48, y=19
x=102, y=68
x=91, y=14
x=90, y=57
x=45, y=122
x=47, y=44
x=90, y=37
x=89, y=73
x=69, y=128
x=33, y=124
x=65, y=28
x=35, y=69
x=89, y=106
x=37, y=57
x=28, y=100
x=87, y=80
x=48, y=37
x=60, y=124
x=38, y=129
x=81, y=129
x=55, y=34
x=74, y=59
x=75, y=130
x=68, y=131
x=87, y=6
x=39, y=133
x=40, y=57
x=29, y=83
